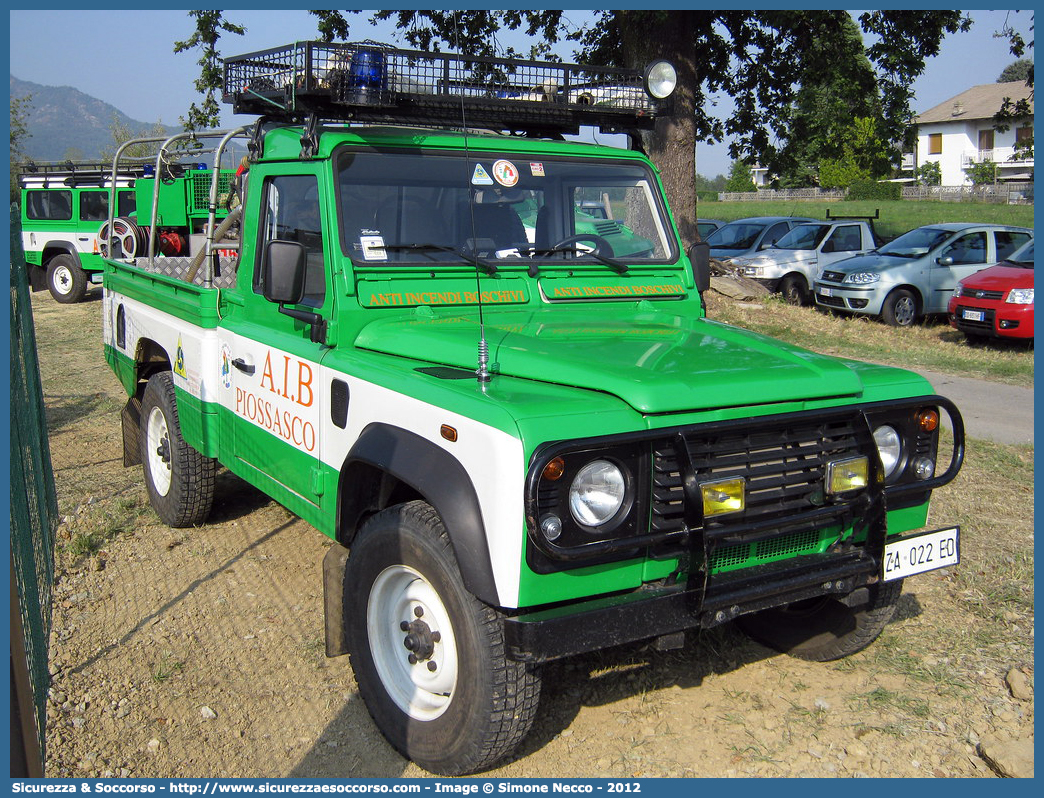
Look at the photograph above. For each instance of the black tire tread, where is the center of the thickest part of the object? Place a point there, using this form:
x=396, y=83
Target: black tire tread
x=191, y=494
x=515, y=686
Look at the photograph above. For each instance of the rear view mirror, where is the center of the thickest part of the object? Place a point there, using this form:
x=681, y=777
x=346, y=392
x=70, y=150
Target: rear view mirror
x=699, y=255
x=283, y=272
x=946, y=260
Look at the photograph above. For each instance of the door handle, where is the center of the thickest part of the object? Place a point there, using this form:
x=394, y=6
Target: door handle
x=242, y=365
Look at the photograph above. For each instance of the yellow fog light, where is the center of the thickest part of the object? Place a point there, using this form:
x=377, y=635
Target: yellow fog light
x=847, y=475
x=723, y=496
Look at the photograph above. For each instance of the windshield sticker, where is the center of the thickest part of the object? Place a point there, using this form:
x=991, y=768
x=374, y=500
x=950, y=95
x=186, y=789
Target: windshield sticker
x=505, y=173
x=481, y=177
x=373, y=247
x=536, y=169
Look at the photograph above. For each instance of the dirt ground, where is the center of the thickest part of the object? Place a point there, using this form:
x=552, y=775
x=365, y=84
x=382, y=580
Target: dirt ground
x=199, y=652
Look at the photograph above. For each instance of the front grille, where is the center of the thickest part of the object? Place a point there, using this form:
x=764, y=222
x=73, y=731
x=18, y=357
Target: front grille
x=807, y=541
x=833, y=277
x=832, y=301
x=983, y=294
x=784, y=466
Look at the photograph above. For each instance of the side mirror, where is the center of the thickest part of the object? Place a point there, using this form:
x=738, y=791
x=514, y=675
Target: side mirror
x=283, y=272
x=699, y=255
x=945, y=261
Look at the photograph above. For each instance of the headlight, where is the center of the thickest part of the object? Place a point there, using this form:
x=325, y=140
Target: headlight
x=959, y=290
x=752, y=271
x=1020, y=296
x=862, y=278
x=661, y=78
x=890, y=447
x=597, y=493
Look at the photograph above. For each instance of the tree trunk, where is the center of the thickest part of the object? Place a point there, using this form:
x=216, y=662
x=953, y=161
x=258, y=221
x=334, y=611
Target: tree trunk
x=672, y=143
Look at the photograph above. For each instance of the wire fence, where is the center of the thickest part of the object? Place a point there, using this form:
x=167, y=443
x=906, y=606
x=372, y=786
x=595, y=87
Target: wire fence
x=1001, y=193
x=34, y=503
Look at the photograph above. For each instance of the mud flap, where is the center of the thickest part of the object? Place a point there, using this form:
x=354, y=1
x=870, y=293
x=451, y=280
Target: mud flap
x=334, y=563
x=130, y=421
x=37, y=277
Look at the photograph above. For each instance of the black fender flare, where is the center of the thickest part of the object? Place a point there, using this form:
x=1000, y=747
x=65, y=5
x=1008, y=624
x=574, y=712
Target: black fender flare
x=66, y=249
x=441, y=480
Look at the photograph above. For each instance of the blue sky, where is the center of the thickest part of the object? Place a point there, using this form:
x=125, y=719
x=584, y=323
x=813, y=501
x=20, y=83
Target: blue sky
x=126, y=57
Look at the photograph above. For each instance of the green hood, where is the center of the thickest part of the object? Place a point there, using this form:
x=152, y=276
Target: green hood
x=656, y=362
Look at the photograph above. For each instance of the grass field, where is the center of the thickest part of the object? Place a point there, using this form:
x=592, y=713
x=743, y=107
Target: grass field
x=896, y=216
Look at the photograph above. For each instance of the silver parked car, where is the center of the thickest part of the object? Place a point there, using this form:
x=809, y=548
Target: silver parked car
x=745, y=237
x=914, y=275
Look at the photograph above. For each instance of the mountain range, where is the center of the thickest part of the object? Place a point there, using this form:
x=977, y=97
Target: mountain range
x=64, y=122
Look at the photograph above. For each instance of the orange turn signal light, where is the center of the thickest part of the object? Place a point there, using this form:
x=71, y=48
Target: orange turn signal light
x=449, y=433
x=928, y=419
x=554, y=469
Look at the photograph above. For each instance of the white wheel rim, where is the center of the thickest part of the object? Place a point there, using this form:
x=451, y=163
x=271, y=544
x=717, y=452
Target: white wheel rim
x=63, y=280
x=157, y=442
x=422, y=689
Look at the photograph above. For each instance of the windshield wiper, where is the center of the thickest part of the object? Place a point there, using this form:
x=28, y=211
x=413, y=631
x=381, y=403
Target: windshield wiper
x=617, y=266
x=474, y=260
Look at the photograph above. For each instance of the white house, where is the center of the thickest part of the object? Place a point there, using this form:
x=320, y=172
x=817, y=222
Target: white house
x=960, y=132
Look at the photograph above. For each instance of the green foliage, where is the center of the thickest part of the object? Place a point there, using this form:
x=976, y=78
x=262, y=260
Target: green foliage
x=706, y=184
x=19, y=133
x=121, y=134
x=929, y=174
x=1018, y=71
x=838, y=85
x=982, y=173
x=209, y=25
x=707, y=196
x=873, y=190
x=740, y=178
x=864, y=156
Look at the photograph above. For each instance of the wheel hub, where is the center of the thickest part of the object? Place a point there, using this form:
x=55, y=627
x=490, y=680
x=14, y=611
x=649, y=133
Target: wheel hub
x=420, y=640
x=163, y=450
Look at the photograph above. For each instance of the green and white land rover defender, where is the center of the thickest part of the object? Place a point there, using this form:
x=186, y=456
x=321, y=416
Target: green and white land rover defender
x=526, y=443
x=66, y=218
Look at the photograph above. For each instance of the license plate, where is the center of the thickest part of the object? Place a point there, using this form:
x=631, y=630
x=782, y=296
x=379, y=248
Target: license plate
x=973, y=315
x=826, y=292
x=920, y=553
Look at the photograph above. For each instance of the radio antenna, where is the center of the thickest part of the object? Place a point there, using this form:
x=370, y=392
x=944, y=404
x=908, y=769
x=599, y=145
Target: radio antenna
x=482, y=372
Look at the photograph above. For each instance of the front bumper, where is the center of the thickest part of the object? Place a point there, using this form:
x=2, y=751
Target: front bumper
x=998, y=319
x=701, y=595
x=849, y=299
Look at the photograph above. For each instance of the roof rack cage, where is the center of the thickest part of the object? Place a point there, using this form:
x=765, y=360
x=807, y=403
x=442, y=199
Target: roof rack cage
x=76, y=168
x=372, y=82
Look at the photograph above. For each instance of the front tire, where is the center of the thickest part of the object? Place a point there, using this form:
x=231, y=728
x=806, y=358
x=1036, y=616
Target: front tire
x=66, y=281
x=180, y=480
x=794, y=289
x=824, y=629
x=429, y=658
x=900, y=308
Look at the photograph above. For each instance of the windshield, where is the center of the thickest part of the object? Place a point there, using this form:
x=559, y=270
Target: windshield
x=1022, y=258
x=422, y=208
x=804, y=236
x=916, y=243
x=737, y=235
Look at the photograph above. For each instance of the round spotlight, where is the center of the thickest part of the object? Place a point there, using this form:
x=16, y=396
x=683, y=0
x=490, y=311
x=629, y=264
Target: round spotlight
x=661, y=79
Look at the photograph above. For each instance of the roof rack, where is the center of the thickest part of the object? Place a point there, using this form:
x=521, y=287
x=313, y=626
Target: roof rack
x=372, y=82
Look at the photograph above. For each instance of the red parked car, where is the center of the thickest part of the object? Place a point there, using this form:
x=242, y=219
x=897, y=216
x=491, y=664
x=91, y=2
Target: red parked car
x=997, y=301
